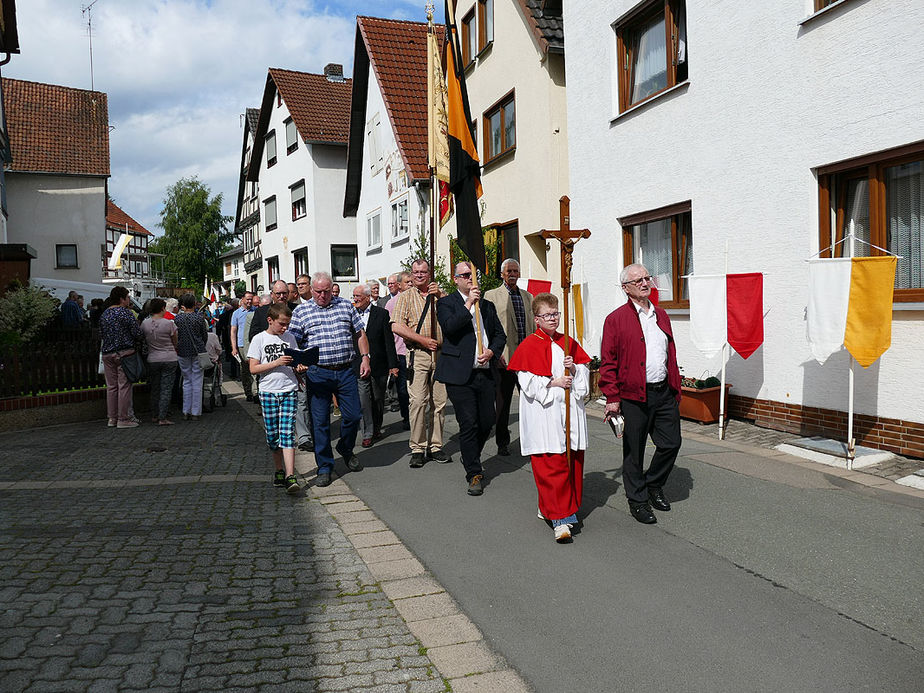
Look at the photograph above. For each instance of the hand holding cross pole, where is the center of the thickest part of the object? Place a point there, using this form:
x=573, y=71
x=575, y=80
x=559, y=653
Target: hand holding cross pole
x=567, y=238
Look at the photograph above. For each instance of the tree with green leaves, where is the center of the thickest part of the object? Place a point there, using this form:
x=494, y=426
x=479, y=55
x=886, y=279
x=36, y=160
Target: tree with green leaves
x=195, y=231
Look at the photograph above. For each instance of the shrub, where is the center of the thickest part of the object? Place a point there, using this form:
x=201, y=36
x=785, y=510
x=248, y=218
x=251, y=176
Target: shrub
x=23, y=312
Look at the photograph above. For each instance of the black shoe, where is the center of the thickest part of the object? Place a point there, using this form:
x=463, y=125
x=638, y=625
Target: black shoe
x=474, y=486
x=417, y=460
x=292, y=485
x=642, y=513
x=322, y=480
x=279, y=478
x=249, y=398
x=657, y=499
x=307, y=446
x=439, y=456
x=405, y=425
x=351, y=461
x=503, y=450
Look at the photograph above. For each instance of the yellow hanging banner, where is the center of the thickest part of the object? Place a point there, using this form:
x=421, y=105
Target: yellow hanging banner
x=869, y=312
x=578, y=313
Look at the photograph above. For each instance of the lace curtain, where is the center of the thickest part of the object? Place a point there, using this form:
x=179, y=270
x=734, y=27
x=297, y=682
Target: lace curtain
x=904, y=211
x=649, y=64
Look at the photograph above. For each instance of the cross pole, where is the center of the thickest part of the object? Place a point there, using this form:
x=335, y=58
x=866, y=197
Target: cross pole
x=567, y=237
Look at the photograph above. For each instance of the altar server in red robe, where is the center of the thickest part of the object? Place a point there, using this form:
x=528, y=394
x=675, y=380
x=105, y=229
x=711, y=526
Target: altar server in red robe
x=544, y=372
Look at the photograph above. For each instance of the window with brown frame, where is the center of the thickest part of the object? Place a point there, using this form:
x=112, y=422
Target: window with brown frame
x=500, y=128
x=272, y=269
x=652, y=50
x=821, y=4
x=508, y=244
x=469, y=38
x=662, y=240
x=880, y=200
x=300, y=258
x=485, y=23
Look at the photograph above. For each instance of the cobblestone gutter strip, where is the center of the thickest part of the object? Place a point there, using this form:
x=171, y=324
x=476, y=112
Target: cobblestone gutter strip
x=447, y=636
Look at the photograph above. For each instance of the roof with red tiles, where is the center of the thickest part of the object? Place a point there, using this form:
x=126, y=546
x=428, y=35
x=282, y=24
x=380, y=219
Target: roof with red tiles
x=319, y=107
x=396, y=52
x=118, y=219
x=55, y=129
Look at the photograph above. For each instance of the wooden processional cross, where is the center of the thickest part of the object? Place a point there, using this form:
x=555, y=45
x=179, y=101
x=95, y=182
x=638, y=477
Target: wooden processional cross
x=567, y=237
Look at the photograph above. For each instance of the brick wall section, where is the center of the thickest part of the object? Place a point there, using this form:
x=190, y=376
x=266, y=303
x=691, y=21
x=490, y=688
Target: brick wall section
x=18, y=413
x=896, y=435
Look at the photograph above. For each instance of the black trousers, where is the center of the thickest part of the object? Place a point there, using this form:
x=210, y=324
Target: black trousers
x=473, y=403
x=505, y=383
x=659, y=417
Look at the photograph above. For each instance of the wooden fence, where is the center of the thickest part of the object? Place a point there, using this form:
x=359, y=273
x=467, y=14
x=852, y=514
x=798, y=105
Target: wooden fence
x=59, y=359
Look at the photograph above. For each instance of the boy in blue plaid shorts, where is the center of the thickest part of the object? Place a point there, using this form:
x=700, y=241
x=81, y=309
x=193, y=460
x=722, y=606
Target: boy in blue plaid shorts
x=278, y=392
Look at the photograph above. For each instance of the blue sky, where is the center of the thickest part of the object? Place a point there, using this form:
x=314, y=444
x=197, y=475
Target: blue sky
x=179, y=74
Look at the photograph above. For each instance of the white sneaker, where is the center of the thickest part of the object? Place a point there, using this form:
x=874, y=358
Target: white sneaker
x=540, y=515
x=562, y=533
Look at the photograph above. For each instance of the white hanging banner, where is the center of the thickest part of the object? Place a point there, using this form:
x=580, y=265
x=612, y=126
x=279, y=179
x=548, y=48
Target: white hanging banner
x=829, y=296
x=708, y=313
x=115, y=260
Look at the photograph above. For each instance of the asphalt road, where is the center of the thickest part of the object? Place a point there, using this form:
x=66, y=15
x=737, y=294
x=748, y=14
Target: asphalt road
x=764, y=577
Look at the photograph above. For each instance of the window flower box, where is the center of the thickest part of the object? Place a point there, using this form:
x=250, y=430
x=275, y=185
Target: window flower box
x=699, y=399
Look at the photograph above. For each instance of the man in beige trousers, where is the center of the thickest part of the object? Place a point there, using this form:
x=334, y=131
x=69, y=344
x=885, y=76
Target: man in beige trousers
x=411, y=321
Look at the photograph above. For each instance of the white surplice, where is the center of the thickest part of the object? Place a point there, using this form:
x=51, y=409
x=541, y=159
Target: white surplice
x=542, y=408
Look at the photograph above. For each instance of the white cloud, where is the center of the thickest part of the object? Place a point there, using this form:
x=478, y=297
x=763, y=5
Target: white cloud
x=178, y=74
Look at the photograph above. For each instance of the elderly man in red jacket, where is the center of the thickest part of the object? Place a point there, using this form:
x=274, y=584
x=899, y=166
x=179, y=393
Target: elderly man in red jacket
x=640, y=379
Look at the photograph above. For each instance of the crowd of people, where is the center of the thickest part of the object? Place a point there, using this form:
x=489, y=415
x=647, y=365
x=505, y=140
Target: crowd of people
x=179, y=344
x=312, y=350
x=302, y=351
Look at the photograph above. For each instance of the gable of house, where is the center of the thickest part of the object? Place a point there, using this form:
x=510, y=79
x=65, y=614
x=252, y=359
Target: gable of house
x=118, y=220
x=319, y=106
x=396, y=53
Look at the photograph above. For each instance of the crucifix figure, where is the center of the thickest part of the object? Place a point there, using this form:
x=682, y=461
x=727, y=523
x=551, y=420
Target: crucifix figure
x=567, y=237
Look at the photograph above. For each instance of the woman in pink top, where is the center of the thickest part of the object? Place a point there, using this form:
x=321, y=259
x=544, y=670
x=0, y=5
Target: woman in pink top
x=160, y=334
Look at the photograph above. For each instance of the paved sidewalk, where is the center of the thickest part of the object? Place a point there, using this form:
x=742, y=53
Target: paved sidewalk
x=162, y=559
x=744, y=433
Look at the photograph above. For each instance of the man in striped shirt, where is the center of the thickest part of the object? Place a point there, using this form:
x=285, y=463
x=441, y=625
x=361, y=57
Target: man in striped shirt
x=329, y=322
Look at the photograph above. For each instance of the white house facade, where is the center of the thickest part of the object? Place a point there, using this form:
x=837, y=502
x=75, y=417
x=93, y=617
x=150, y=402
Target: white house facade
x=514, y=60
x=247, y=219
x=299, y=163
x=751, y=136
x=387, y=192
x=56, y=183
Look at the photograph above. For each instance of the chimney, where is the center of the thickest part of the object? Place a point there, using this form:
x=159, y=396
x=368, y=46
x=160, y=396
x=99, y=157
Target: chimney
x=333, y=72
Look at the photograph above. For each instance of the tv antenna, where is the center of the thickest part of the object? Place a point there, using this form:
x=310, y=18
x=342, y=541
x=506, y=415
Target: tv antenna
x=85, y=10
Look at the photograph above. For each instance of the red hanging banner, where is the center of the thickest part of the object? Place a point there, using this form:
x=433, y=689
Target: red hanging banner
x=745, y=299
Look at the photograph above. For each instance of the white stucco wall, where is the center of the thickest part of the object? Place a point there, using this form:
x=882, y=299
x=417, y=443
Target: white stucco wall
x=527, y=184
x=325, y=198
x=766, y=102
x=45, y=210
x=323, y=167
x=377, y=196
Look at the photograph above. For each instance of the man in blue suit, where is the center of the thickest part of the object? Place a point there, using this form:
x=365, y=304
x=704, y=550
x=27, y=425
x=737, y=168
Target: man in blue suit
x=468, y=374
